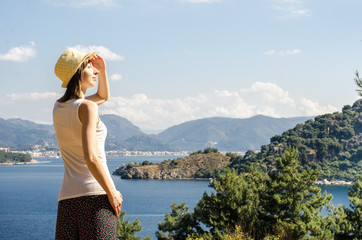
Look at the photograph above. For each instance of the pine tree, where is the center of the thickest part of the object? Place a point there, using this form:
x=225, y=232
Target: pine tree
x=358, y=82
x=294, y=202
x=354, y=214
x=126, y=230
x=347, y=222
x=179, y=224
x=236, y=202
x=285, y=203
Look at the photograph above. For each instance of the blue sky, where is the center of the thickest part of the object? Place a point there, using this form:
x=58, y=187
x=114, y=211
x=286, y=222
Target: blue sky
x=171, y=61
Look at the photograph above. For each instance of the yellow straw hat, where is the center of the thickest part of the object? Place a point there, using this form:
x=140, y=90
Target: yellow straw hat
x=68, y=63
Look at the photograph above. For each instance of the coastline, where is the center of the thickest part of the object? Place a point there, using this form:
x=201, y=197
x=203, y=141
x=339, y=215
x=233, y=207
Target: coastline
x=32, y=161
x=333, y=182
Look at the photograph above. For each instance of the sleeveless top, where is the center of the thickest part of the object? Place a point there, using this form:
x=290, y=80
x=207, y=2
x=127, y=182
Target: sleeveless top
x=78, y=180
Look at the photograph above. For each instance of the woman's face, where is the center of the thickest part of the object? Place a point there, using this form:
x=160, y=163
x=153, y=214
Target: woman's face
x=89, y=76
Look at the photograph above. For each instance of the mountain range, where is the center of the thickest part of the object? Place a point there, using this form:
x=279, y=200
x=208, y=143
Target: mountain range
x=226, y=134
x=330, y=143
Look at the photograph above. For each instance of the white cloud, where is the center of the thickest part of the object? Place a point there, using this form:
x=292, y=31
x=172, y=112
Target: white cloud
x=20, y=54
x=201, y=1
x=311, y=108
x=289, y=1
x=85, y=3
x=283, y=52
x=101, y=50
x=261, y=98
x=156, y=114
x=270, y=52
x=32, y=96
x=115, y=77
x=269, y=93
x=34, y=106
x=293, y=8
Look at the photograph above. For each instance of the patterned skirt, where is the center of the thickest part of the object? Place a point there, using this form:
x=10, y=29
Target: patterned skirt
x=88, y=217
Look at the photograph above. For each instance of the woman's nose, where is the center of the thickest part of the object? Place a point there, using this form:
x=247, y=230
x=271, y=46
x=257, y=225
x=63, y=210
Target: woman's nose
x=95, y=71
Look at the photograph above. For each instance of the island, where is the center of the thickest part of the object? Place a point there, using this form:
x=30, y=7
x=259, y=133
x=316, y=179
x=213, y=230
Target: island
x=199, y=165
x=9, y=158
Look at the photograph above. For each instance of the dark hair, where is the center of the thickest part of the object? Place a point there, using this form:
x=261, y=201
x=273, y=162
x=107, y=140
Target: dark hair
x=73, y=89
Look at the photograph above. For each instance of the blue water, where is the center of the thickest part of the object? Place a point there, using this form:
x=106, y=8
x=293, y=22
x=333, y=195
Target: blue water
x=28, y=197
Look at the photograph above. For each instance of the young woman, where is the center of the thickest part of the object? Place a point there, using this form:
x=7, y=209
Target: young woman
x=88, y=203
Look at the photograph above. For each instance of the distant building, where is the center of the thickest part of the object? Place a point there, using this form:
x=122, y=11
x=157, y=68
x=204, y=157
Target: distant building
x=5, y=149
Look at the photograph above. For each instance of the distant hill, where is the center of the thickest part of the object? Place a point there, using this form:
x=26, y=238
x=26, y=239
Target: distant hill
x=120, y=127
x=18, y=133
x=227, y=134
x=119, y=130
x=330, y=142
x=21, y=134
x=146, y=143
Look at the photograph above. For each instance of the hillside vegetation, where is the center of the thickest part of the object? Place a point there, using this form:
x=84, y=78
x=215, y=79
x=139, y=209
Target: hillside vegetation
x=331, y=143
x=284, y=205
x=9, y=157
x=198, y=165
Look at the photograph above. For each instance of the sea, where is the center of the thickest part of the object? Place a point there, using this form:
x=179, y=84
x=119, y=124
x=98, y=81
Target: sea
x=28, y=197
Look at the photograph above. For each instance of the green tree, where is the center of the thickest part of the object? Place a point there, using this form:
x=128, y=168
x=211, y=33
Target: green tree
x=337, y=222
x=14, y=157
x=236, y=202
x=358, y=82
x=210, y=150
x=351, y=218
x=230, y=234
x=294, y=203
x=284, y=203
x=179, y=224
x=126, y=230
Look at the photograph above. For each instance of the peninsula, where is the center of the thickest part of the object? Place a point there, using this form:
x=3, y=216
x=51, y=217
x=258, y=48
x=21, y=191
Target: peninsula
x=9, y=158
x=199, y=165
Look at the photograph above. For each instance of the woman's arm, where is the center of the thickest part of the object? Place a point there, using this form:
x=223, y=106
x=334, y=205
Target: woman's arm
x=88, y=114
x=103, y=93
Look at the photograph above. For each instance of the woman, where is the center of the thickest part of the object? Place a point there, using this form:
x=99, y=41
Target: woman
x=88, y=203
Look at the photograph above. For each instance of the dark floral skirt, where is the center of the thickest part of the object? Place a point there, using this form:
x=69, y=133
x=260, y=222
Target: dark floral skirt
x=87, y=217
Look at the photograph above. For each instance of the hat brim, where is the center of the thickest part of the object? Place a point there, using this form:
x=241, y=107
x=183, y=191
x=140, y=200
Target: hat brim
x=87, y=56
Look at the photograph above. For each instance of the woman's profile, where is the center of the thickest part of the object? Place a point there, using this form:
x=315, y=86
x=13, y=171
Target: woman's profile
x=88, y=202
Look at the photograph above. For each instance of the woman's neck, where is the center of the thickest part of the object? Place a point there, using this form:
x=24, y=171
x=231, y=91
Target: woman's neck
x=82, y=93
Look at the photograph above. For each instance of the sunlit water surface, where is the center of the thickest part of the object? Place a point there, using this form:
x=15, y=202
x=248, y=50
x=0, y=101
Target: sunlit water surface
x=28, y=197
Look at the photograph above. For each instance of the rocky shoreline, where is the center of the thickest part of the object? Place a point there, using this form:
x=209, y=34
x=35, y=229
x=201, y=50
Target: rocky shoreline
x=333, y=182
x=195, y=167
x=33, y=161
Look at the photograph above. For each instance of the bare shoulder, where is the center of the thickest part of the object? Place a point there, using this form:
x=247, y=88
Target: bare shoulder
x=87, y=109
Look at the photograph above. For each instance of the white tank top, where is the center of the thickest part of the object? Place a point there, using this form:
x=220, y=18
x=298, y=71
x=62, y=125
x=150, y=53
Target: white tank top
x=78, y=180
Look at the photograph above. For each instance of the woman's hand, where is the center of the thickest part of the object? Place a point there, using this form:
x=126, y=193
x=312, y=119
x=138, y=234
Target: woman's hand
x=103, y=93
x=116, y=200
x=98, y=62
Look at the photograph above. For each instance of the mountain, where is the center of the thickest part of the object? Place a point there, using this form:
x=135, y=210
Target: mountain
x=227, y=134
x=22, y=133
x=331, y=143
x=146, y=143
x=123, y=134
x=120, y=127
x=119, y=130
